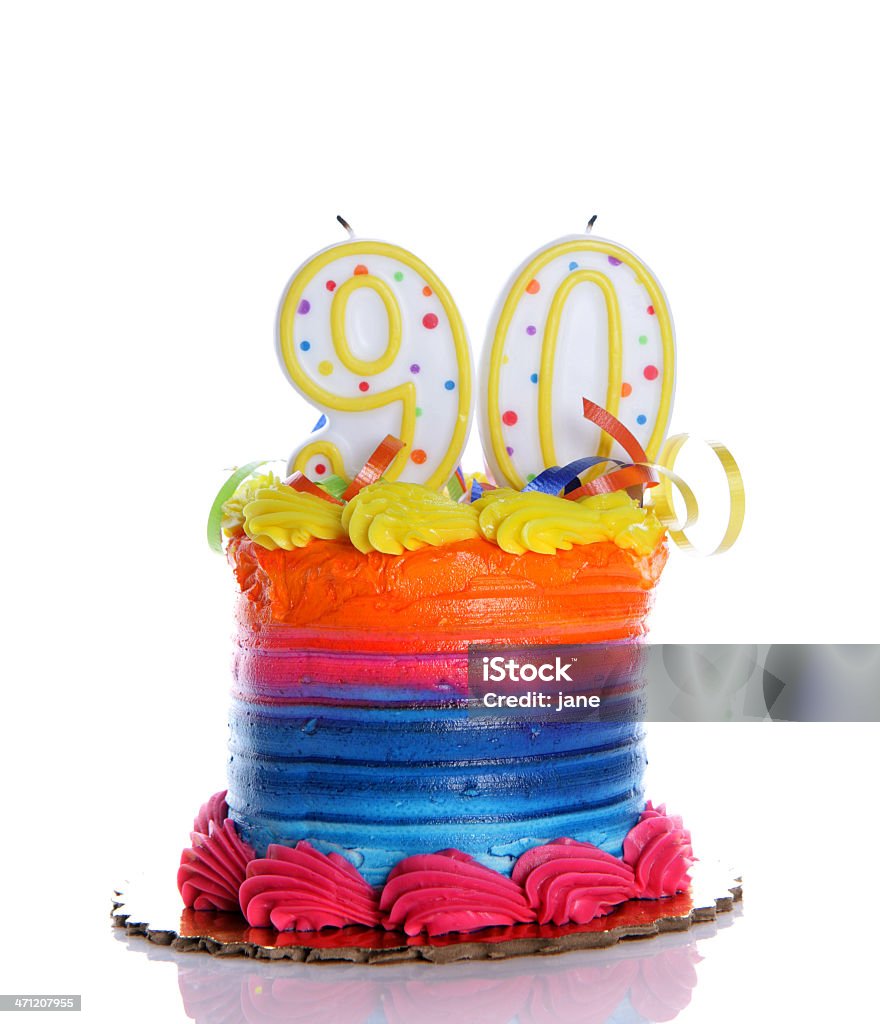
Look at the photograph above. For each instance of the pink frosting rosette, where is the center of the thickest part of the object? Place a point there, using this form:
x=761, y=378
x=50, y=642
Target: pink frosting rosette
x=570, y=881
x=213, y=809
x=302, y=889
x=213, y=868
x=449, y=891
x=659, y=850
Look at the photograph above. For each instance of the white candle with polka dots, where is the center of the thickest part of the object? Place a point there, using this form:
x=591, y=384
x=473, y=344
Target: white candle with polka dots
x=371, y=337
x=581, y=317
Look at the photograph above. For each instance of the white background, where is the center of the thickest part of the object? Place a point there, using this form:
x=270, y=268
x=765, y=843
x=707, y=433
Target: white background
x=167, y=166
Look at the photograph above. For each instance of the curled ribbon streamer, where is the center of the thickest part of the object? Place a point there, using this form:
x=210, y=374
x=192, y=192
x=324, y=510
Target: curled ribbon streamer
x=662, y=499
x=636, y=475
x=660, y=476
x=215, y=516
x=640, y=474
x=615, y=429
x=455, y=487
x=663, y=506
x=478, y=489
x=375, y=465
x=299, y=482
x=334, y=485
x=557, y=478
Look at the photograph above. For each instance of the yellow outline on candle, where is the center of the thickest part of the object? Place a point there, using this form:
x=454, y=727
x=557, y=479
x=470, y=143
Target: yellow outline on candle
x=326, y=448
x=365, y=367
x=548, y=357
x=403, y=393
x=515, y=295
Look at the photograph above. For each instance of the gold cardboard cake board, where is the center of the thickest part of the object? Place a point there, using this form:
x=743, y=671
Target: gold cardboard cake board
x=144, y=908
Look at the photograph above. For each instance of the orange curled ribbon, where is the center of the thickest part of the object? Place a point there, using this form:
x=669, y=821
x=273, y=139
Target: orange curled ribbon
x=300, y=482
x=375, y=466
x=640, y=474
x=612, y=426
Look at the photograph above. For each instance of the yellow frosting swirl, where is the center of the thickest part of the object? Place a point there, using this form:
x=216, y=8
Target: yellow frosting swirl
x=280, y=517
x=232, y=522
x=518, y=522
x=398, y=517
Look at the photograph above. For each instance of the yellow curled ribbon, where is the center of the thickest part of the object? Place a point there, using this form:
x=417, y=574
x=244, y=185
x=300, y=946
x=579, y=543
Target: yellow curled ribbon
x=661, y=495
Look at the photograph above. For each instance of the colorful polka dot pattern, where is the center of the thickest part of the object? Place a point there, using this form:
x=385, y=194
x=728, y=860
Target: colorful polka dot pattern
x=427, y=334
x=580, y=360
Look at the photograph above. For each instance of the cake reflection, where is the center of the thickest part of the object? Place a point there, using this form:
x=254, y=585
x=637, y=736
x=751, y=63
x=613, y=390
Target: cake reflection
x=631, y=982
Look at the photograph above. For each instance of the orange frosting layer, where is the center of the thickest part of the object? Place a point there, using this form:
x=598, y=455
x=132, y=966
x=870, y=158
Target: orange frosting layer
x=432, y=599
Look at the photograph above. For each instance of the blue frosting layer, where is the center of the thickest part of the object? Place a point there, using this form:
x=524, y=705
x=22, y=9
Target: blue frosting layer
x=379, y=776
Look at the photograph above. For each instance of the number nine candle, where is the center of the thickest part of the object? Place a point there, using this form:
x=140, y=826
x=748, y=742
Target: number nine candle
x=580, y=317
x=369, y=335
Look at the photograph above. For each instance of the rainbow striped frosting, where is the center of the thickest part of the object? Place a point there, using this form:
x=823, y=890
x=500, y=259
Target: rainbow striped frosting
x=349, y=724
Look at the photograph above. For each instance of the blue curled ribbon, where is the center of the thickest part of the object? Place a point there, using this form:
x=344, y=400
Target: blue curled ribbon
x=560, y=479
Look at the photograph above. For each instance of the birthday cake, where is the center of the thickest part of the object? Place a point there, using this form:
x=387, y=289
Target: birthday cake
x=363, y=790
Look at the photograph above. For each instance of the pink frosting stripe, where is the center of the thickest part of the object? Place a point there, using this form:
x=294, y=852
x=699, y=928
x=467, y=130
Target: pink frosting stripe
x=449, y=891
x=659, y=850
x=213, y=868
x=569, y=881
x=305, y=890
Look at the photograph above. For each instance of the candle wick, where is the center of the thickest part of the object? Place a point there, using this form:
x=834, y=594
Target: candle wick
x=346, y=225
x=591, y=222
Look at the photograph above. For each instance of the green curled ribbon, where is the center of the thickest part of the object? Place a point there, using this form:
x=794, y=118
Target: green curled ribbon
x=215, y=516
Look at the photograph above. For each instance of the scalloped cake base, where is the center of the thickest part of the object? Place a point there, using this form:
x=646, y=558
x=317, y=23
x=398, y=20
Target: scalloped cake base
x=143, y=909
